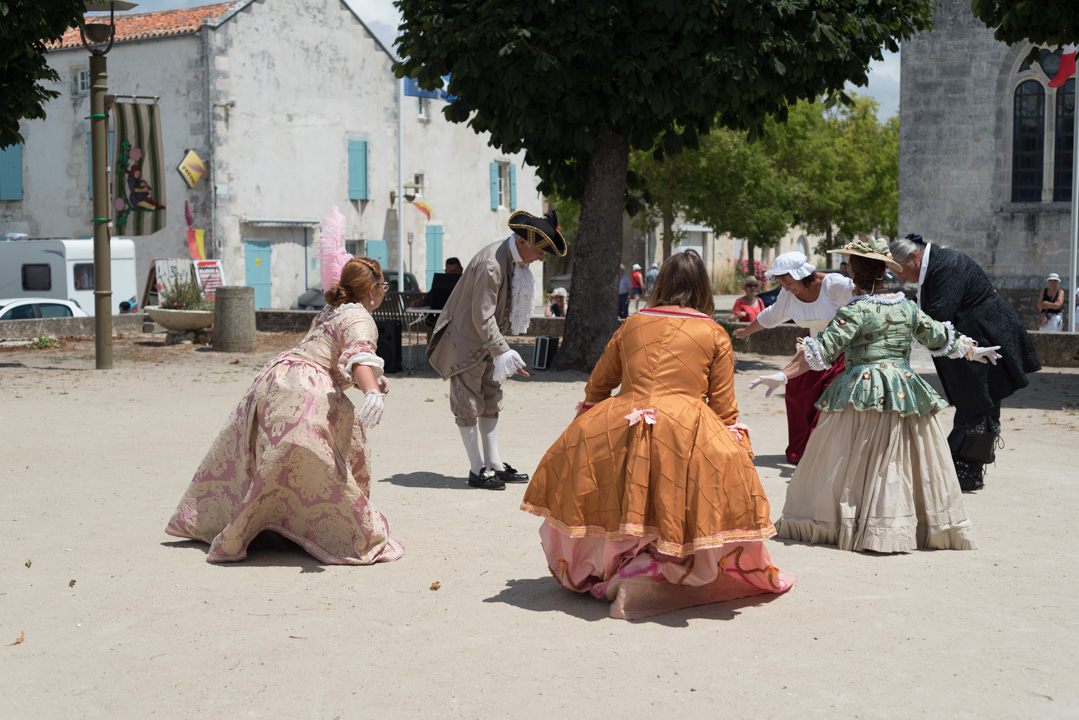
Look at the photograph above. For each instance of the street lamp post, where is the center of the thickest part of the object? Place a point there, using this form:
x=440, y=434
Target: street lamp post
x=98, y=34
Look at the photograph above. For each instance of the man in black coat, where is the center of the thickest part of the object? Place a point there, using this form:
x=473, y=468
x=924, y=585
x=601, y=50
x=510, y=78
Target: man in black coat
x=953, y=288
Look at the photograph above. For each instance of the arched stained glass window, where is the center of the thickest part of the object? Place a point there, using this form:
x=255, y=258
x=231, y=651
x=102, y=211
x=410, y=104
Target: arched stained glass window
x=1028, y=143
x=1065, y=142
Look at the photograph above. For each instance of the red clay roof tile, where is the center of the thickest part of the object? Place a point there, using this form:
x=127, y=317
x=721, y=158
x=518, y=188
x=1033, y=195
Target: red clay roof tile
x=163, y=23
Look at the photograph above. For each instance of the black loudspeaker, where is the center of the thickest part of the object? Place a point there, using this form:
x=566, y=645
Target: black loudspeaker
x=389, y=344
x=546, y=346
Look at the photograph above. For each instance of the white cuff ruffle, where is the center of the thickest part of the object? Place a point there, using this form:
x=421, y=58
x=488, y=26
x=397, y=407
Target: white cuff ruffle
x=506, y=364
x=364, y=358
x=811, y=351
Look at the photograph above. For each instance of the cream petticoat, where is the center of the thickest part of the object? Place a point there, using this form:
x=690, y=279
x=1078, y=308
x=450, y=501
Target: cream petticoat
x=877, y=481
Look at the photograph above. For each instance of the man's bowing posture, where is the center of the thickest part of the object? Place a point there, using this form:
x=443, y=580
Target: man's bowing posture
x=495, y=295
x=954, y=290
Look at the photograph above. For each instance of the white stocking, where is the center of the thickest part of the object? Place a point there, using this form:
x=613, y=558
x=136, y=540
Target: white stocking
x=489, y=438
x=471, y=438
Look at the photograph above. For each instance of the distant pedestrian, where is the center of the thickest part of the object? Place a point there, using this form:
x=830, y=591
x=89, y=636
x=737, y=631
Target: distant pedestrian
x=623, y=292
x=650, y=278
x=636, y=289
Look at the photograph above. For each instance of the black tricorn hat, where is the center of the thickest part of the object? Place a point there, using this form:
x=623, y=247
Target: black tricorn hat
x=542, y=232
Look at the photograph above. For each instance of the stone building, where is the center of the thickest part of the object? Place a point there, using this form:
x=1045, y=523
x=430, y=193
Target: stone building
x=985, y=152
x=293, y=106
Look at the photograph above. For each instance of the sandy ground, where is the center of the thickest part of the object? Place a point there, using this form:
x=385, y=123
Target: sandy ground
x=119, y=620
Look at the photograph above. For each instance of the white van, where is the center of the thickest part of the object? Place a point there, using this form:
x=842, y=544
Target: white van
x=64, y=269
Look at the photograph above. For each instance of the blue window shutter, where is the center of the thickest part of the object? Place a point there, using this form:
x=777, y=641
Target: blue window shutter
x=494, y=186
x=378, y=250
x=357, y=170
x=513, y=187
x=11, y=173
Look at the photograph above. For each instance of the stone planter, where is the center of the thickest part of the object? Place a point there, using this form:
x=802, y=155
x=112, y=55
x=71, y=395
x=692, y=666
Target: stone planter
x=180, y=321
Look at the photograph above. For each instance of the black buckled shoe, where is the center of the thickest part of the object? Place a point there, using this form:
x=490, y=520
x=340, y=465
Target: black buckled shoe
x=510, y=474
x=486, y=480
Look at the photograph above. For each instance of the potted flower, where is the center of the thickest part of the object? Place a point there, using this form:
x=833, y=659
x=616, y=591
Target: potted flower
x=182, y=307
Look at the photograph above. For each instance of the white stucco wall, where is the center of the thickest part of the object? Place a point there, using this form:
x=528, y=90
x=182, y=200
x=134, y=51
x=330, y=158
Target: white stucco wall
x=56, y=198
x=292, y=84
x=455, y=163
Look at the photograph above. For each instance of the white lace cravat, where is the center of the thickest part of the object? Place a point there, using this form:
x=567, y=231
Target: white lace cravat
x=523, y=299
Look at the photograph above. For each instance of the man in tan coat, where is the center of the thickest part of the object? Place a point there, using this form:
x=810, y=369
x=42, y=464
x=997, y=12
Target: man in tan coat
x=495, y=295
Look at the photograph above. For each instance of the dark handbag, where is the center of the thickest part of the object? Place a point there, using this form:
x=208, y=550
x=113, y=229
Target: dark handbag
x=979, y=446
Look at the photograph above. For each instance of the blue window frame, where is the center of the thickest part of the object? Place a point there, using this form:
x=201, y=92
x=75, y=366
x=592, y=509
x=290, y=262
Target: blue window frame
x=11, y=173
x=1028, y=142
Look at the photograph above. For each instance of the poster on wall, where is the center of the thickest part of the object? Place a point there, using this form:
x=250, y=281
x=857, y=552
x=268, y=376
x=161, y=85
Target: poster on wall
x=210, y=275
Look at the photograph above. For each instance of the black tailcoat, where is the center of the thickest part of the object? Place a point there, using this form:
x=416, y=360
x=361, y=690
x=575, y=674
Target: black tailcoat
x=957, y=290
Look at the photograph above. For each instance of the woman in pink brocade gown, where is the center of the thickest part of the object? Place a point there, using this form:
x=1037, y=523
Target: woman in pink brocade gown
x=293, y=457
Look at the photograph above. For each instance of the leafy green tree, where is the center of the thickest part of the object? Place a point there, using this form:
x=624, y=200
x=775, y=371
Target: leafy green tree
x=843, y=167
x=577, y=83
x=26, y=28
x=1042, y=22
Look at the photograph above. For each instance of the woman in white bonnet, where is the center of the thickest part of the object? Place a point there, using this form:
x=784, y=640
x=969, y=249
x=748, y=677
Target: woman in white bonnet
x=811, y=299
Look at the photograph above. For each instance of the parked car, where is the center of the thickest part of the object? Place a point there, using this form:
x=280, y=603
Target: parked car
x=313, y=299
x=37, y=308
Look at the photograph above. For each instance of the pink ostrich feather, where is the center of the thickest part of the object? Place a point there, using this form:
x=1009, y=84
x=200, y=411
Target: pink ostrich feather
x=330, y=248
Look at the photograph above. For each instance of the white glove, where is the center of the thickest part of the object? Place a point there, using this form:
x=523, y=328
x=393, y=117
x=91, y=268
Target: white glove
x=371, y=410
x=384, y=384
x=773, y=381
x=981, y=354
x=506, y=364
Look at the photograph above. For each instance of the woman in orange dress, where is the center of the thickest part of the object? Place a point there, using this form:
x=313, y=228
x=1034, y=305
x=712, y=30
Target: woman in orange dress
x=650, y=498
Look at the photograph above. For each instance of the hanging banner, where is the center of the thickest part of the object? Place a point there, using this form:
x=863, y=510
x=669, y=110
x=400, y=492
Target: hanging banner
x=138, y=181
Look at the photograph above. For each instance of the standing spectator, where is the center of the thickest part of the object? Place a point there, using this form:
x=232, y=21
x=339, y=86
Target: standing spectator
x=623, y=292
x=650, y=278
x=1051, y=303
x=748, y=307
x=636, y=281
x=953, y=289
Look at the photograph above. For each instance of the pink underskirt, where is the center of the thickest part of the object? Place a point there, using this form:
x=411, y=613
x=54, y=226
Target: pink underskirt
x=640, y=581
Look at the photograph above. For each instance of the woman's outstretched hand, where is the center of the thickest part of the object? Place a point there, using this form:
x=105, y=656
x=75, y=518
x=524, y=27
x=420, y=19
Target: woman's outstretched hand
x=773, y=381
x=371, y=410
x=384, y=384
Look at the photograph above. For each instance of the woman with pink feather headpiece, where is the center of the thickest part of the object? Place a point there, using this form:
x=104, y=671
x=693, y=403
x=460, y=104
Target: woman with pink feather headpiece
x=293, y=457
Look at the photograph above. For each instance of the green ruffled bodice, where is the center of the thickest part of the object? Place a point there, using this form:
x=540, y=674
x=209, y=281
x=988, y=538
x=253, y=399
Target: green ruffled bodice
x=875, y=333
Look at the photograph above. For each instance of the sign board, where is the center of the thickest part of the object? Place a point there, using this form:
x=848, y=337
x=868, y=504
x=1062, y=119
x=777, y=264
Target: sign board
x=171, y=271
x=192, y=168
x=210, y=275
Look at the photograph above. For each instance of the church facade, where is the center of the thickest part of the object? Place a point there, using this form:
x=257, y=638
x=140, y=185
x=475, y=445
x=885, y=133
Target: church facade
x=985, y=153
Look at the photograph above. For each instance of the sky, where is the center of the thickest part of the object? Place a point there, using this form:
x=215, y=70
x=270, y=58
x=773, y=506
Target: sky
x=382, y=18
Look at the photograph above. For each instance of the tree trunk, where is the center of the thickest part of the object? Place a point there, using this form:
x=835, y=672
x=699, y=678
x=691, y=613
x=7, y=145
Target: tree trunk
x=668, y=231
x=749, y=258
x=592, y=316
x=828, y=244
